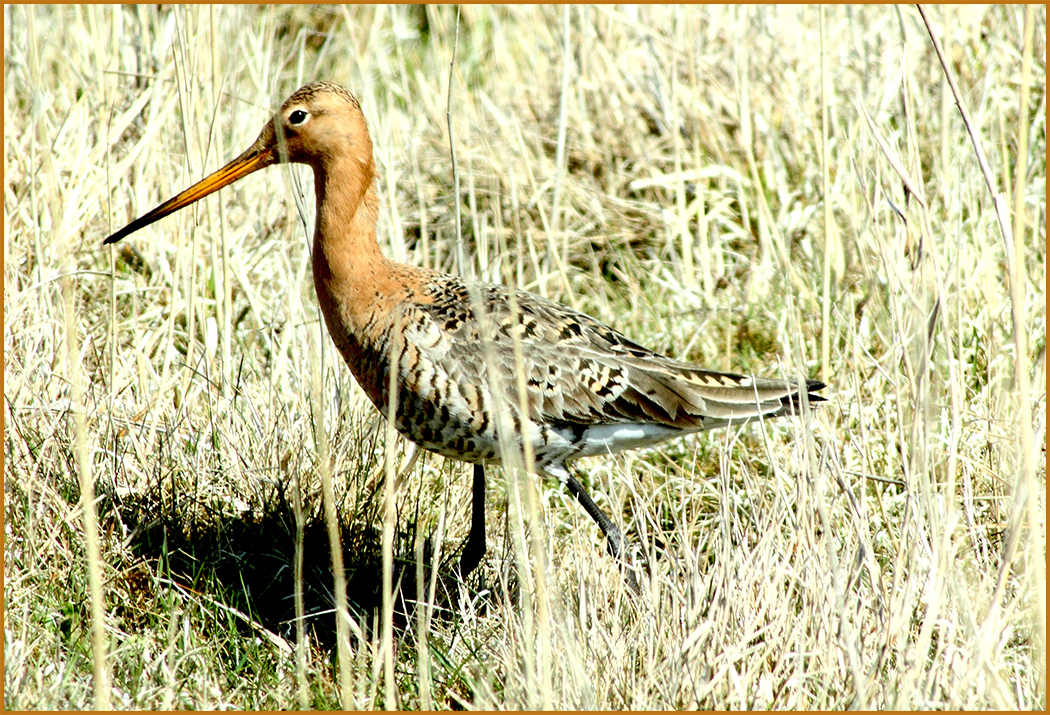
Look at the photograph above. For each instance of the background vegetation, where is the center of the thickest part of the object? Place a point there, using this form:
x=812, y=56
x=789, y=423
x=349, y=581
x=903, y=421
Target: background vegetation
x=727, y=185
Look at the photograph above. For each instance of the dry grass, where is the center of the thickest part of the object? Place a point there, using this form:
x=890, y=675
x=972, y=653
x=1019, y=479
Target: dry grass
x=885, y=552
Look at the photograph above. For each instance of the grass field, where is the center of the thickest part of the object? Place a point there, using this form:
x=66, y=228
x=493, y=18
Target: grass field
x=789, y=192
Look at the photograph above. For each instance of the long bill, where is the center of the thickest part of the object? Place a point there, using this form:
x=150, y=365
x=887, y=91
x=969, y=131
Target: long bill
x=258, y=156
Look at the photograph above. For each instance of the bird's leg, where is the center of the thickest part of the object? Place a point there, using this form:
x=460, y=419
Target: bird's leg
x=611, y=531
x=474, y=549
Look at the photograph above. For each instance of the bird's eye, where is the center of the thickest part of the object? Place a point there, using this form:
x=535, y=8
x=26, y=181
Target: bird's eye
x=297, y=117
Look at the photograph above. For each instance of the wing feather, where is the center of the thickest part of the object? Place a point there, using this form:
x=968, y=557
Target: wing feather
x=579, y=371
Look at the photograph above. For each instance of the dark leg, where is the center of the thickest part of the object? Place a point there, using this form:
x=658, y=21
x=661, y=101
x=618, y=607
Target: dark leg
x=474, y=549
x=611, y=531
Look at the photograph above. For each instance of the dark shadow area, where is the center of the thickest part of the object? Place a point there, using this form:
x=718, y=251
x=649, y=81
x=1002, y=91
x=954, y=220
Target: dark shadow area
x=248, y=562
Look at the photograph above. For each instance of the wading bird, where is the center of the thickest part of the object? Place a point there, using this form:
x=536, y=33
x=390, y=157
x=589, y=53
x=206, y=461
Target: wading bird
x=446, y=348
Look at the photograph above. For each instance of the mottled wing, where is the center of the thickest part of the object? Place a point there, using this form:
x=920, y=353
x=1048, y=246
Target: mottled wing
x=579, y=371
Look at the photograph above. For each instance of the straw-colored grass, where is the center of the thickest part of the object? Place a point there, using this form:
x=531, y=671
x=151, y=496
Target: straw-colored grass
x=728, y=187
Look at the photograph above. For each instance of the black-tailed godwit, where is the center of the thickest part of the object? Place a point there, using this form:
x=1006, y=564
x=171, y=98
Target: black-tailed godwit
x=589, y=389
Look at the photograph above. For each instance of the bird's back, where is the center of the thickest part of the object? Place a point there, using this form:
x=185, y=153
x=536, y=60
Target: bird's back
x=462, y=350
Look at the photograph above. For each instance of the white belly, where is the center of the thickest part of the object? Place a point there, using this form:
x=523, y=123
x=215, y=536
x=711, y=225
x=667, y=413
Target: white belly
x=606, y=439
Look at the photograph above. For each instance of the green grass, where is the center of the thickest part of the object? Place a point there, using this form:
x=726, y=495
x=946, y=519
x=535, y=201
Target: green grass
x=886, y=551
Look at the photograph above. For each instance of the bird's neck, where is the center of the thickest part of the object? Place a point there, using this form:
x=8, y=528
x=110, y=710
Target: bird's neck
x=347, y=213
x=358, y=289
